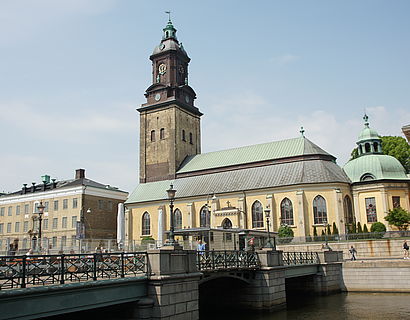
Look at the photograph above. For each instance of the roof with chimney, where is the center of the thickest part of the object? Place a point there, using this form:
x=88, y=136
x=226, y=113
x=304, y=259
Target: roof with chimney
x=50, y=184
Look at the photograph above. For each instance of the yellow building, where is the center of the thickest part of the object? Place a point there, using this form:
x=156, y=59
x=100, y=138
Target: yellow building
x=294, y=181
x=75, y=210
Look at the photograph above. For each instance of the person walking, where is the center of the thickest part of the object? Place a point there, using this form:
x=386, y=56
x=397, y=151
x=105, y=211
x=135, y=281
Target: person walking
x=405, y=250
x=201, y=247
x=353, y=253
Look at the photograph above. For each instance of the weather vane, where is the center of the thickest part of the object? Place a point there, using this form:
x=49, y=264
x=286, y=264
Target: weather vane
x=169, y=15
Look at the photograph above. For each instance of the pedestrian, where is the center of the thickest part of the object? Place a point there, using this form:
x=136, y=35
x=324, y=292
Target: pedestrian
x=252, y=243
x=405, y=250
x=200, y=247
x=353, y=253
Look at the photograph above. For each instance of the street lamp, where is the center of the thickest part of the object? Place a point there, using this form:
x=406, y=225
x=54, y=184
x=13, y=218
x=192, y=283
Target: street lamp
x=267, y=214
x=326, y=225
x=171, y=196
x=40, y=211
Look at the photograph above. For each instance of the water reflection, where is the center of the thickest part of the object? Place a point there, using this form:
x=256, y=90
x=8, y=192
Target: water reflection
x=374, y=306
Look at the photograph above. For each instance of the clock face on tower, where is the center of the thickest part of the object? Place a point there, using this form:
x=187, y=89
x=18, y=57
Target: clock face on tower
x=162, y=68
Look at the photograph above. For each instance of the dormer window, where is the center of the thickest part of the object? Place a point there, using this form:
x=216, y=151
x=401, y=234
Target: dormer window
x=367, y=177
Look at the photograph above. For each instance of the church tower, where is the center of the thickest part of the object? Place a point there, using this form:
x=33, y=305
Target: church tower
x=169, y=121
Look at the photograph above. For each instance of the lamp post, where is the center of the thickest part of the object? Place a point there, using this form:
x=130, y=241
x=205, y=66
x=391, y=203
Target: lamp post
x=40, y=211
x=171, y=197
x=326, y=225
x=267, y=214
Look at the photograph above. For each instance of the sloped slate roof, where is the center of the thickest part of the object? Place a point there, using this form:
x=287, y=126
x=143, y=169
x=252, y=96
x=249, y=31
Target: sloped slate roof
x=285, y=174
x=254, y=153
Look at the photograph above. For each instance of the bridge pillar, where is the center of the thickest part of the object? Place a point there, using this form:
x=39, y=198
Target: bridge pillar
x=329, y=277
x=266, y=290
x=173, y=283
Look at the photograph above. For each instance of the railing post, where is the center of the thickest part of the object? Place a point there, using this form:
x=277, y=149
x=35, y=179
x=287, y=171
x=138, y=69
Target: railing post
x=62, y=269
x=122, y=265
x=94, y=266
x=225, y=262
x=213, y=259
x=23, y=280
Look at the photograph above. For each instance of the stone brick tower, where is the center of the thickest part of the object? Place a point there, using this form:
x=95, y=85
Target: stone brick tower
x=169, y=121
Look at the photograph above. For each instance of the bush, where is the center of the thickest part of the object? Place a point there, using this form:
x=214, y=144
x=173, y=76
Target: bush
x=379, y=229
x=285, y=234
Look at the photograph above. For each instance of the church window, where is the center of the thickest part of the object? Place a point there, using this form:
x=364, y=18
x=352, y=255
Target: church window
x=190, y=137
x=183, y=135
x=205, y=217
x=257, y=215
x=152, y=135
x=286, y=212
x=319, y=210
x=396, y=202
x=162, y=133
x=226, y=224
x=348, y=210
x=371, y=209
x=177, y=219
x=146, y=224
x=360, y=149
x=367, y=147
x=376, y=147
x=366, y=177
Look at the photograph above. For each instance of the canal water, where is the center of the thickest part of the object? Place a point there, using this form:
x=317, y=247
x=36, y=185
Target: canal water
x=368, y=306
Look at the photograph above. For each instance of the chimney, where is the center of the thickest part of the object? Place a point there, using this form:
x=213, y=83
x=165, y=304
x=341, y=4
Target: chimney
x=79, y=174
x=33, y=187
x=54, y=184
x=24, y=189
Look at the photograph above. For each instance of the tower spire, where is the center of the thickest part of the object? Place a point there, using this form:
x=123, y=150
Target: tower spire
x=366, y=120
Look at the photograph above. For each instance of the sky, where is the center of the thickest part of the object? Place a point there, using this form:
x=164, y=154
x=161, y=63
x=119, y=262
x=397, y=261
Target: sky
x=73, y=73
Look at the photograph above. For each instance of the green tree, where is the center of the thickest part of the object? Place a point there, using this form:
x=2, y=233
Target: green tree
x=359, y=228
x=393, y=146
x=328, y=230
x=314, y=231
x=365, y=230
x=399, y=218
x=285, y=232
x=379, y=229
x=335, y=230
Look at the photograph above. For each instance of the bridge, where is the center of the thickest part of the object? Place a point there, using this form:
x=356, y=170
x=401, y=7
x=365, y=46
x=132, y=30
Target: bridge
x=158, y=283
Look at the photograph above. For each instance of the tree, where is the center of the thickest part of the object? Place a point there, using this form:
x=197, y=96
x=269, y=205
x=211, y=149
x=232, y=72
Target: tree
x=399, y=218
x=379, y=229
x=285, y=234
x=314, y=231
x=328, y=230
x=365, y=230
x=393, y=146
x=359, y=228
x=335, y=230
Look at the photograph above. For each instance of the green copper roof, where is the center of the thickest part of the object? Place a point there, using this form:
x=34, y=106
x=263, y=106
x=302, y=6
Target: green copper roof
x=381, y=167
x=254, y=153
x=367, y=133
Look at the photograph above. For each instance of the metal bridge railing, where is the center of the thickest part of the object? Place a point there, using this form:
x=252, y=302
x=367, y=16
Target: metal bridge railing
x=40, y=270
x=227, y=260
x=299, y=258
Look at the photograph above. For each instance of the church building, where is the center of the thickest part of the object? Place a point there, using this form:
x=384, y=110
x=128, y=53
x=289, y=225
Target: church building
x=293, y=181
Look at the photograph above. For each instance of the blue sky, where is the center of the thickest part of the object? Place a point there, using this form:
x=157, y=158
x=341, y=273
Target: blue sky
x=73, y=72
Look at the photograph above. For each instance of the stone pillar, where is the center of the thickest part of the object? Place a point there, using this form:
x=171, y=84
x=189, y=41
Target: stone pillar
x=266, y=290
x=214, y=207
x=161, y=225
x=273, y=226
x=173, y=283
x=301, y=213
x=385, y=208
x=329, y=278
x=191, y=215
x=407, y=200
x=356, y=207
x=340, y=223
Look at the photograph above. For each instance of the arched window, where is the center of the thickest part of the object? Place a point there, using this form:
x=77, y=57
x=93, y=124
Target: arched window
x=162, y=133
x=286, y=212
x=366, y=177
x=152, y=135
x=146, y=224
x=226, y=224
x=183, y=135
x=257, y=215
x=177, y=219
x=367, y=147
x=205, y=217
x=319, y=210
x=190, y=137
x=371, y=209
x=348, y=210
x=376, y=147
x=360, y=149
